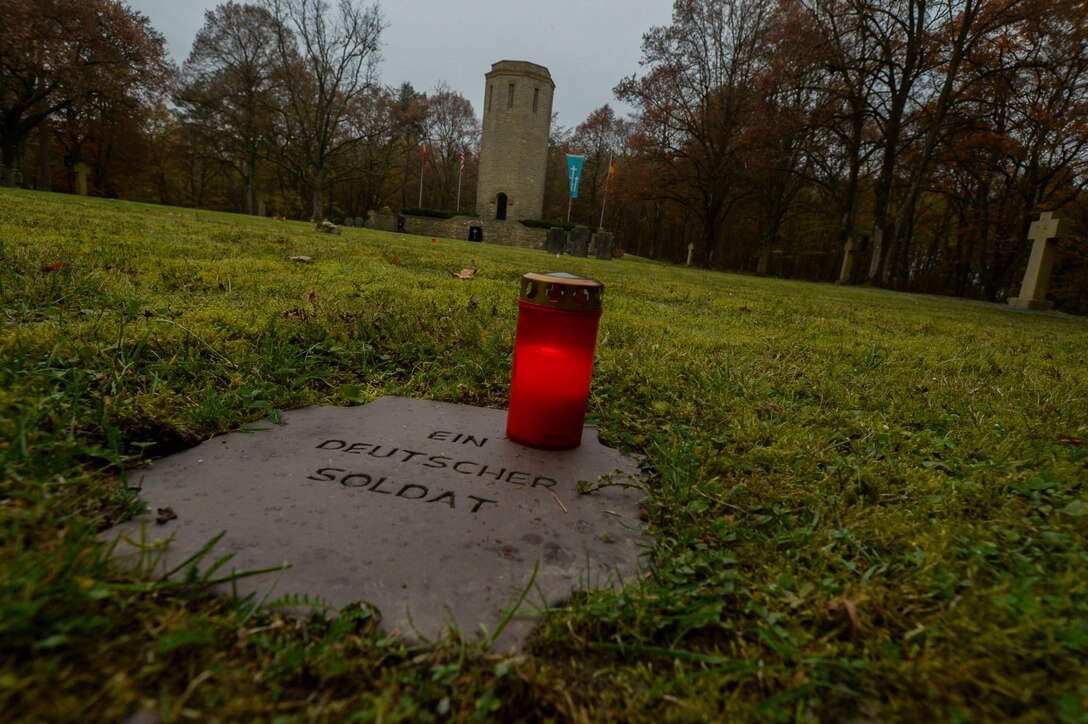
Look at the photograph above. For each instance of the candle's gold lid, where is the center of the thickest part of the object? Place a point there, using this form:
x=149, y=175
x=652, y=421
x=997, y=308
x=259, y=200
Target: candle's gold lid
x=559, y=290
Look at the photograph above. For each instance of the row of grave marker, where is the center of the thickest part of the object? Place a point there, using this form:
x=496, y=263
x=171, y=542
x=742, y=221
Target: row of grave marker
x=576, y=242
x=1044, y=235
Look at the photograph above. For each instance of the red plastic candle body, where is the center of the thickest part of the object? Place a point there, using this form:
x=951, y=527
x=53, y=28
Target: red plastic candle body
x=558, y=316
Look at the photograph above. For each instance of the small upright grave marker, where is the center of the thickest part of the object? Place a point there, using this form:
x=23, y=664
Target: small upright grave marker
x=602, y=241
x=849, y=258
x=579, y=241
x=556, y=241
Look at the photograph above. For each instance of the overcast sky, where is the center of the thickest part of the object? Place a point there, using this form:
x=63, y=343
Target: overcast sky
x=588, y=45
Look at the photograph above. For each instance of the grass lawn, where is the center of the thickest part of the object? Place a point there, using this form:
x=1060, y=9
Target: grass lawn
x=867, y=506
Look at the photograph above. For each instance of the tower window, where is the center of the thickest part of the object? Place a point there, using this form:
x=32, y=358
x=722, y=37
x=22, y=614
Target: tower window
x=510, y=97
x=490, y=92
x=536, y=98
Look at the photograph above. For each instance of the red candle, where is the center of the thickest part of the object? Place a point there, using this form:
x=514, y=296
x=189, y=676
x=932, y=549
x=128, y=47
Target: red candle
x=558, y=315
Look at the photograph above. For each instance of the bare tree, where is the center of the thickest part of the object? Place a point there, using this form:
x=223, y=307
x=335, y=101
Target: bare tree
x=376, y=158
x=961, y=25
x=227, y=82
x=328, y=59
x=694, y=100
x=452, y=129
x=410, y=122
x=602, y=137
x=842, y=66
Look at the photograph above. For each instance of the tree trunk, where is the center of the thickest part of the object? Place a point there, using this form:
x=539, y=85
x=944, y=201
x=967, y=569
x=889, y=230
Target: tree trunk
x=43, y=156
x=878, y=252
x=11, y=152
x=710, y=238
x=251, y=164
x=850, y=203
x=905, y=212
x=319, y=194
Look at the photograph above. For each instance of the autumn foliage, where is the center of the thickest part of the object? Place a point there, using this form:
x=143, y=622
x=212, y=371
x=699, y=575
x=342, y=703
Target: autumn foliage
x=765, y=135
x=928, y=134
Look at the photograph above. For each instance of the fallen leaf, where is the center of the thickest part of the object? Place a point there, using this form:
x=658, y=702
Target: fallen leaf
x=56, y=266
x=354, y=393
x=473, y=301
x=313, y=297
x=465, y=274
x=302, y=259
x=143, y=717
x=840, y=606
x=395, y=259
x=164, y=514
x=1076, y=509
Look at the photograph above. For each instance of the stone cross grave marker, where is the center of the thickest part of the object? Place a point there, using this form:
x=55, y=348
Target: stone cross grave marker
x=81, y=170
x=1044, y=234
x=850, y=251
x=420, y=508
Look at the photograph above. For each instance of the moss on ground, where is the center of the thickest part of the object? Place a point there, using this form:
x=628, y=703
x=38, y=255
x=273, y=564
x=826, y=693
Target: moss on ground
x=867, y=505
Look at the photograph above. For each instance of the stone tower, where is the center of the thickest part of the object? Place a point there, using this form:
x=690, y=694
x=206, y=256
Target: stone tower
x=514, y=145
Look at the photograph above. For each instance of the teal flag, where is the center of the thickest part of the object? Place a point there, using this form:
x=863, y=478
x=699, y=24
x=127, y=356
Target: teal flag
x=574, y=173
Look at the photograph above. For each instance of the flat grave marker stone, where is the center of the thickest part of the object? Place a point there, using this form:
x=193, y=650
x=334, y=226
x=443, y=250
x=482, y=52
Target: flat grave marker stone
x=423, y=509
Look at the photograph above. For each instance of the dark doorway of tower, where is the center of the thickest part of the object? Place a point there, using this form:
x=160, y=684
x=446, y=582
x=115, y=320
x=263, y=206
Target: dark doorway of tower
x=500, y=207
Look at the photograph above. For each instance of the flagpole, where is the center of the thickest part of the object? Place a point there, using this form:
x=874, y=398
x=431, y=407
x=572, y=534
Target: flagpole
x=607, y=183
x=460, y=175
x=422, y=170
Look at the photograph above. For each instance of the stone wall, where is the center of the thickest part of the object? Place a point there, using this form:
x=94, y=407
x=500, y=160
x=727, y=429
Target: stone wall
x=507, y=233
